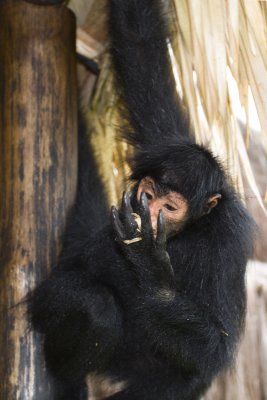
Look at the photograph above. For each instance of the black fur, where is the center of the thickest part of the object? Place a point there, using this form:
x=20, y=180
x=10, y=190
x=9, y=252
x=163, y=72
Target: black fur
x=108, y=308
x=138, y=45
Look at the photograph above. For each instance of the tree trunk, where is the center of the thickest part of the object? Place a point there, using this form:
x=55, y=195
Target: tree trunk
x=38, y=171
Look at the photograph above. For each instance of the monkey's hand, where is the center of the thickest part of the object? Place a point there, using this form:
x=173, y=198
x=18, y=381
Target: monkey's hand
x=147, y=254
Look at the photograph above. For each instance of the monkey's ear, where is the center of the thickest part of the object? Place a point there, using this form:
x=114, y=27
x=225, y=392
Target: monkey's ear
x=213, y=201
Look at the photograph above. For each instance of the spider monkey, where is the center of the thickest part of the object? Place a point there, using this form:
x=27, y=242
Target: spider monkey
x=151, y=300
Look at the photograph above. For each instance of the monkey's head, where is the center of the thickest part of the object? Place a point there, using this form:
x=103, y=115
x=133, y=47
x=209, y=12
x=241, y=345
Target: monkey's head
x=184, y=181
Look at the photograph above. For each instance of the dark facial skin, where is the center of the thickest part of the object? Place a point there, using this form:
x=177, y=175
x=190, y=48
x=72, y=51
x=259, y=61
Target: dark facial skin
x=173, y=205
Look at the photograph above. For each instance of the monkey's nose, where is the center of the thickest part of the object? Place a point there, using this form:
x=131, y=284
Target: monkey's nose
x=154, y=218
x=154, y=223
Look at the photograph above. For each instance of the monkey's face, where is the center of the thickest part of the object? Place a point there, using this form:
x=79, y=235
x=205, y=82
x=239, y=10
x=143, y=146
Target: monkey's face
x=173, y=205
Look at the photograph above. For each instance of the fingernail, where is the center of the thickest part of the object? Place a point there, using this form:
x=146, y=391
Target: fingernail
x=143, y=198
x=127, y=197
x=114, y=210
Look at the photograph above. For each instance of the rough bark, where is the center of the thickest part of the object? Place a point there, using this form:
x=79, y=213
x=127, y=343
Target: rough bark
x=38, y=168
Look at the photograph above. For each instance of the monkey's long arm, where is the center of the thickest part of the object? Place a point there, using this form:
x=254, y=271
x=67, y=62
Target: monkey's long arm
x=139, y=49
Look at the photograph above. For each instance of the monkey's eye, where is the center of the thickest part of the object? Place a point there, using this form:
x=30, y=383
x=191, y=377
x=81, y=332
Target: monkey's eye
x=148, y=196
x=169, y=208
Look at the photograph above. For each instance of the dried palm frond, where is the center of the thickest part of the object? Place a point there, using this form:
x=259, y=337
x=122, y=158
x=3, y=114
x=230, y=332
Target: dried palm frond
x=221, y=44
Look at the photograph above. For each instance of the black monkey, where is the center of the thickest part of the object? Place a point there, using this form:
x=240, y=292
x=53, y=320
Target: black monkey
x=154, y=301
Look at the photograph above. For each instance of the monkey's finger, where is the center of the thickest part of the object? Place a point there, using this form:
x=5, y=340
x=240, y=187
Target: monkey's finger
x=161, y=231
x=145, y=217
x=125, y=203
x=116, y=223
x=126, y=214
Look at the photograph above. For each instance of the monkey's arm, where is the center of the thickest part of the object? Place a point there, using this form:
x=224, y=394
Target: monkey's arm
x=80, y=320
x=139, y=34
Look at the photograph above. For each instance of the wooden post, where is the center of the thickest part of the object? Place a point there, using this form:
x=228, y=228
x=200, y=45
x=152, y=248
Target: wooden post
x=38, y=168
